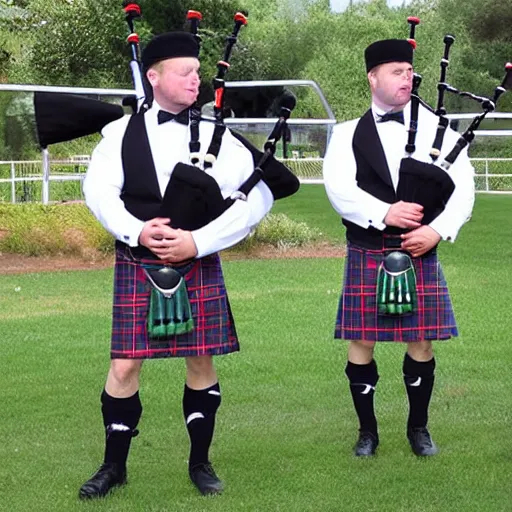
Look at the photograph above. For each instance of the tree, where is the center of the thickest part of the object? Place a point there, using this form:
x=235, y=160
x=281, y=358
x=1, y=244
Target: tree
x=488, y=44
x=83, y=42
x=69, y=43
x=10, y=41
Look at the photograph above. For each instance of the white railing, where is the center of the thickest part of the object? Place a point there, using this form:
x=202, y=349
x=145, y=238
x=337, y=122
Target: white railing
x=24, y=174
x=496, y=183
x=309, y=171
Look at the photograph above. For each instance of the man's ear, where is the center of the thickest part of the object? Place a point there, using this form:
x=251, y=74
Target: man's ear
x=371, y=78
x=152, y=75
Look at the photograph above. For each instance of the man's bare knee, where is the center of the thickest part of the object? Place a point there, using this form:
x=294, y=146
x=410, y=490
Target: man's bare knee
x=361, y=352
x=420, y=350
x=200, y=372
x=125, y=371
x=199, y=365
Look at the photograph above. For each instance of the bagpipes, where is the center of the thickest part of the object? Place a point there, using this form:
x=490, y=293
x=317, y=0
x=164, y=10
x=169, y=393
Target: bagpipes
x=61, y=117
x=281, y=181
x=429, y=184
x=424, y=183
x=193, y=198
x=421, y=182
x=489, y=105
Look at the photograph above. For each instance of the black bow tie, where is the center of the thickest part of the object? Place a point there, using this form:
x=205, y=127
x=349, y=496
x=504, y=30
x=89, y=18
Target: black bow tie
x=391, y=116
x=164, y=116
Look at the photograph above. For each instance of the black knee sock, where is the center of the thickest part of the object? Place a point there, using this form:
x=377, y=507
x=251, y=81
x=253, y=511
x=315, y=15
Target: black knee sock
x=419, y=382
x=363, y=379
x=199, y=408
x=120, y=417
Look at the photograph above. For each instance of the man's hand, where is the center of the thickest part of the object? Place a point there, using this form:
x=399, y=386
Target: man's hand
x=420, y=240
x=180, y=246
x=154, y=232
x=174, y=245
x=404, y=215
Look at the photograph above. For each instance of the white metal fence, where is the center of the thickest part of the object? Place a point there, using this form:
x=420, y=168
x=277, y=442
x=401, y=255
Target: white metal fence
x=29, y=181
x=24, y=181
x=52, y=180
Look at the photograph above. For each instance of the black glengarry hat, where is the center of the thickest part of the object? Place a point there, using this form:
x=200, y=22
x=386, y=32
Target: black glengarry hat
x=388, y=50
x=169, y=46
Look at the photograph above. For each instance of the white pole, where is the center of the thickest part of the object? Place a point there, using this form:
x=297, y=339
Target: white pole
x=46, y=176
x=487, y=175
x=13, y=183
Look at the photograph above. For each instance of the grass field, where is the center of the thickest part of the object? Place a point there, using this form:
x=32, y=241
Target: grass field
x=286, y=427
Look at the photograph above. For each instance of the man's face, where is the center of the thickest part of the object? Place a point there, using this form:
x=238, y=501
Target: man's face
x=391, y=84
x=175, y=82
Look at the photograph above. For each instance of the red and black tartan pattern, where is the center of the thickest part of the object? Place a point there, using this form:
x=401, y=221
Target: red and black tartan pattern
x=357, y=317
x=214, y=329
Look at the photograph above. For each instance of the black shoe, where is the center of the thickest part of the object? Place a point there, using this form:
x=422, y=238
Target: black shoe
x=366, y=444
x=109, y=475
x=204, y=478
x=421, y=442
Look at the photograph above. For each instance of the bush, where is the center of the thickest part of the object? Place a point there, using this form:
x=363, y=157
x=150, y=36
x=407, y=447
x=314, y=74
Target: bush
x=70, y=229
x=38, y=230
x=278, y=230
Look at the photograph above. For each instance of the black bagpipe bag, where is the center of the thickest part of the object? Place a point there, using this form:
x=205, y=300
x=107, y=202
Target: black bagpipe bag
x=425, y=184
x=278, y=178
x=193, y=199
x=61, y=117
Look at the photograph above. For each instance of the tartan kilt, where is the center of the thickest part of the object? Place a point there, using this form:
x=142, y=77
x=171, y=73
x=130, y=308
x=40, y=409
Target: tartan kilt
x=357, y=317
x=214, y=330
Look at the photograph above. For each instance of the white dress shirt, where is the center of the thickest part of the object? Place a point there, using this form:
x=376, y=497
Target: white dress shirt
x=365, y=210
x=104, y=181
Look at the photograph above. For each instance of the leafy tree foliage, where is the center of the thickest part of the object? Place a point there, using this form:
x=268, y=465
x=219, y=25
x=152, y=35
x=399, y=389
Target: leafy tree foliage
x=83, y=42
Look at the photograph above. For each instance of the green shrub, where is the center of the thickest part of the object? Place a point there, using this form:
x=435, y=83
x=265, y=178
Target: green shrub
x=491, y=147
x=70, y=229
x=278, y=230
x=66, y=229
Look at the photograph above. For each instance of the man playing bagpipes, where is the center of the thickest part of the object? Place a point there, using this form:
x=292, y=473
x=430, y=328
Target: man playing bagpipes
x=396, y=207
x=169, y=294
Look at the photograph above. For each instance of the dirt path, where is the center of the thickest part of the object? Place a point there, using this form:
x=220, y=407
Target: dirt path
x=17, y=264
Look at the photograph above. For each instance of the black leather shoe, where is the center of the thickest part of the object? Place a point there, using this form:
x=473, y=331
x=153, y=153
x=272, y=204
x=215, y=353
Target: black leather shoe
x=109, y=475
x=366, y=444
x=421, y=442
x=204, y=478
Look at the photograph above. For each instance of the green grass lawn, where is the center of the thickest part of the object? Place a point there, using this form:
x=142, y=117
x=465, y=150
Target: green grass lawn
x=286, y=427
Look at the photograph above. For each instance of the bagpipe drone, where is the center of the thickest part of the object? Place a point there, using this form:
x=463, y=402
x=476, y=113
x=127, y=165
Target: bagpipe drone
x=187, y=181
